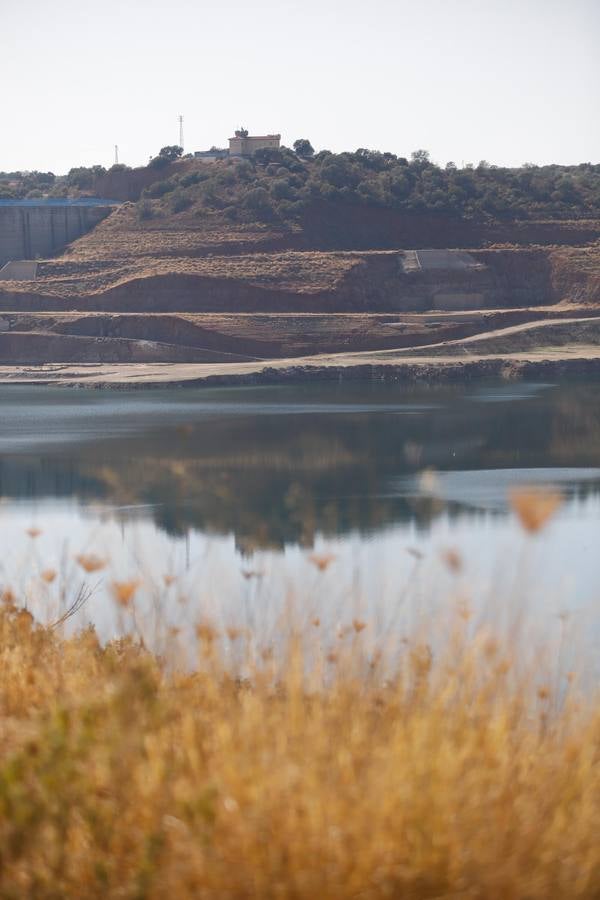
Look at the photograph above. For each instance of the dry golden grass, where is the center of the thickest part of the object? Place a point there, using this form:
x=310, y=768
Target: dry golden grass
x=322, y=767
x=534, y=508
x=320, y=773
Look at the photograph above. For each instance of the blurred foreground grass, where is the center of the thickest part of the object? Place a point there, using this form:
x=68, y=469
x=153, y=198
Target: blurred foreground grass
x=321, y=768
x=446, y=776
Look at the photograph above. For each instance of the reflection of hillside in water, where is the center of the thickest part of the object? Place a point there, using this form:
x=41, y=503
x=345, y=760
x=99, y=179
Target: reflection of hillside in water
x=280, y=478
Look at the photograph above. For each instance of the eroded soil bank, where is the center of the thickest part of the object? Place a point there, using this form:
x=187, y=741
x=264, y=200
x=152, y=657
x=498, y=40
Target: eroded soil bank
x=182, y=293
x=583, y=363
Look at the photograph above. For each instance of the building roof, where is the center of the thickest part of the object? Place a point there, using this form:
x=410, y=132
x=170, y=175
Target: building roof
x=256, y=137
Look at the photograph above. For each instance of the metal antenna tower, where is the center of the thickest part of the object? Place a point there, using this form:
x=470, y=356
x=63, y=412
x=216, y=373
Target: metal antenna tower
x=181, y=131
x=116, y=155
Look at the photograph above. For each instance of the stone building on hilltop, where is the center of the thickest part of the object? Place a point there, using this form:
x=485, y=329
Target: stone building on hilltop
x=244, y=144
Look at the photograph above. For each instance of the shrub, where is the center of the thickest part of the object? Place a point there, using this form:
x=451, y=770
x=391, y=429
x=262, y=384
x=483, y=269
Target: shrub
x=281, y=189
x=145, y=209
x=256, y=199
x=180, y=201
x=268, y=155
x=160, y=188
x=244, y=169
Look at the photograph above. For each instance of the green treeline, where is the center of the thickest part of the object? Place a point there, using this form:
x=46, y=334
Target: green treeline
x=279, y=185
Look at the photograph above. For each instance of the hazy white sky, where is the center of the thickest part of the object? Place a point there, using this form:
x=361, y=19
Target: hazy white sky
x=509, y=81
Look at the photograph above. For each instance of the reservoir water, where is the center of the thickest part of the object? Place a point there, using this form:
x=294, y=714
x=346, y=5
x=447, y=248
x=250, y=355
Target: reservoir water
x=342, y=503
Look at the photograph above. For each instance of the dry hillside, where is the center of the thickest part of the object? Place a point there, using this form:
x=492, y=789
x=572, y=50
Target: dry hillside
x=162, y=280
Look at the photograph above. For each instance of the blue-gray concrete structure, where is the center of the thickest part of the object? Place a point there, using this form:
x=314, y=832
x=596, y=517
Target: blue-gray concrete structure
x=30, y=229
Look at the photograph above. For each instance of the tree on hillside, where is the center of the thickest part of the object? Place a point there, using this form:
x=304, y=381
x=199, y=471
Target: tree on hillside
x=266, y=155
x=304, y=148
x=171, y=152
x=83, y=177
x=420, y=158
x=33, y=180
x=166, y=155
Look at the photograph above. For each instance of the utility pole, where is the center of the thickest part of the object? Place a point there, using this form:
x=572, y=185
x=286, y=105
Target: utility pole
x=181, y=132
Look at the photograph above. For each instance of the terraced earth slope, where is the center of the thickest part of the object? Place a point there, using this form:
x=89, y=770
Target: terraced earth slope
x=179, y=289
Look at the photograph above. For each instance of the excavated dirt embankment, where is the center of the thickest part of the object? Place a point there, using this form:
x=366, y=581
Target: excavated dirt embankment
x=369, y=282
x=343, y=226
x=68, y=337
x=130, y=294
x=29, y=348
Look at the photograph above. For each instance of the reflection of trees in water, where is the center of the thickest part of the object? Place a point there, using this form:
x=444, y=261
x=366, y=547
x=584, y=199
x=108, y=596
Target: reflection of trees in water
x=276, y=479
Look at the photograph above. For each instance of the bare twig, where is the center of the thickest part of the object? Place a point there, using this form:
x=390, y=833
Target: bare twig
x=81, y=598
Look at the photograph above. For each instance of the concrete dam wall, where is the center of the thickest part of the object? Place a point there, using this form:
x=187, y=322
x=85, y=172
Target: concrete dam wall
x=29, y=231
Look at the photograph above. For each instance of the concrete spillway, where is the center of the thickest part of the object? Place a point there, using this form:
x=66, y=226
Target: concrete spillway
x=19, y=270
x=30, y=230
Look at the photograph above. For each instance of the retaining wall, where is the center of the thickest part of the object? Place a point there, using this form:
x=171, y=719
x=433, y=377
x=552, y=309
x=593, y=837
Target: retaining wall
x=28, y=232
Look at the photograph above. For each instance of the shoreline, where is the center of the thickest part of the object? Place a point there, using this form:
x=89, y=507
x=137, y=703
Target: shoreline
x=422, y=370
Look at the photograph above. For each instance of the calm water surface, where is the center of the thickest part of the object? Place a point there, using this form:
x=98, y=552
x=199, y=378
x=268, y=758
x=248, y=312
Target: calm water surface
x=229, y=492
